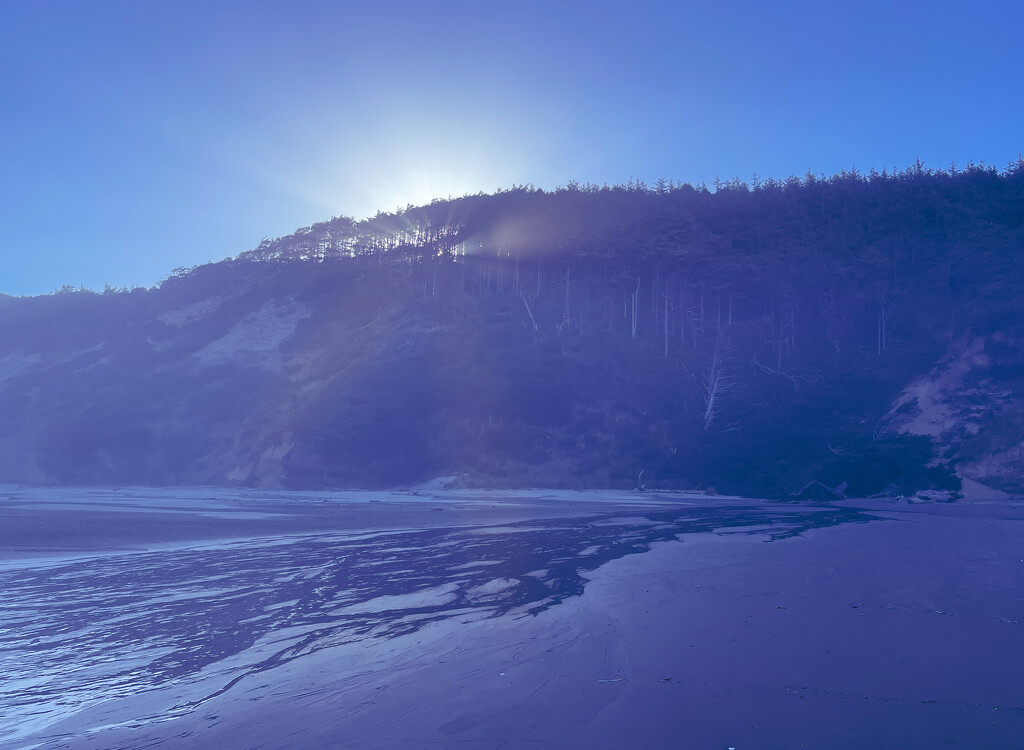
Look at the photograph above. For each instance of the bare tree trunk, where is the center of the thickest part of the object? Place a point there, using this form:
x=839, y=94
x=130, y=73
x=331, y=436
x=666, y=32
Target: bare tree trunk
x=715, y=384
x=568, y=282
x=528, y=310
x=666, y=322
x=884, y=313
x=635, y=305
x=654, y=298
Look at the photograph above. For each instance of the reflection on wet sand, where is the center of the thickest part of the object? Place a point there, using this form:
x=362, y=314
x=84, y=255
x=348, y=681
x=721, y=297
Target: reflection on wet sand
x=76, y=632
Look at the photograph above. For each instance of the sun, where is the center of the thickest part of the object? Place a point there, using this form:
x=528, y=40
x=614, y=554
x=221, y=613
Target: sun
x=420, y=183
x=401, y=163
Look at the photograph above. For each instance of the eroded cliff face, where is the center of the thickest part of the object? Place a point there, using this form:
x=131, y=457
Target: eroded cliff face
x=971, y=404
x=170, y=386
x=259, y=374
x=368, y=374
x=754, y=340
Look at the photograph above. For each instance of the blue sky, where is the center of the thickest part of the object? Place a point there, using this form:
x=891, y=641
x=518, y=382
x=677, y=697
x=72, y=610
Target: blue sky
x=139, y=136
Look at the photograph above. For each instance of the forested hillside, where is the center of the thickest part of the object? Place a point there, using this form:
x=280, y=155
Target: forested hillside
x=752, y=338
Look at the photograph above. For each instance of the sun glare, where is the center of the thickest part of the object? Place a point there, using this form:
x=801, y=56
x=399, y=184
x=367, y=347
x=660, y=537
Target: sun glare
x=415, y=166
x=420, y=185
x=399, y=163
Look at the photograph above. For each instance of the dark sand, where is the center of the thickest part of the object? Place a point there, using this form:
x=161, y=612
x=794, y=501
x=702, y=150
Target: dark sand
x=906, y=631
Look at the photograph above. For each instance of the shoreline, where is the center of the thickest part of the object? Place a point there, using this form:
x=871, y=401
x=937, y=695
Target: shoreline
x=44, y=522
x=893, y=625
x=878, y=634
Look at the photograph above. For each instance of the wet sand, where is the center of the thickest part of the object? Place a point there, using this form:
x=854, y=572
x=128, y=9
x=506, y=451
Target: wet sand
x=872, y=625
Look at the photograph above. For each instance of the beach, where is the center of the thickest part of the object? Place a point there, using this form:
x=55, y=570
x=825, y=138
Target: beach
x=509, y=620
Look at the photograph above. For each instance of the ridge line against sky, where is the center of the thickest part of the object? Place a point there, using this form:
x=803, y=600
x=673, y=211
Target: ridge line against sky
x=138, y=137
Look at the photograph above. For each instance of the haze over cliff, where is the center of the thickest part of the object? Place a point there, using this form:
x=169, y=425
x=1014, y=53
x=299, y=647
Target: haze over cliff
x=861, y=331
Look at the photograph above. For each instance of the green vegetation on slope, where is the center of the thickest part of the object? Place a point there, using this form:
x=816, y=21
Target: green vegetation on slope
x=748, y=339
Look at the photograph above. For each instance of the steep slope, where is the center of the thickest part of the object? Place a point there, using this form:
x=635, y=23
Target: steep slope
x=350, y=374
x=970, y=405
x=854, y=333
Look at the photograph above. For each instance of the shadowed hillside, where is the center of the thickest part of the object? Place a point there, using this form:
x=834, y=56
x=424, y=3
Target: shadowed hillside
x=859, y=330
